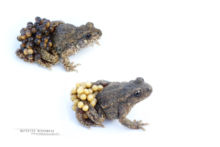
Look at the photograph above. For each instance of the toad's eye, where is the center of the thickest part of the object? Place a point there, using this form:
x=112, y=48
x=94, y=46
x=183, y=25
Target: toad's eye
x=137, y=93
x=88, y=36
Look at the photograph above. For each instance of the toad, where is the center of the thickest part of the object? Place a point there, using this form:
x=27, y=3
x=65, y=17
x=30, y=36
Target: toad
x=110, y=101
x=48, y=42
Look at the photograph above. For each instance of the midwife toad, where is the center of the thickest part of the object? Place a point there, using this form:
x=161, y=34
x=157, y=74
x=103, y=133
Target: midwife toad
x=48, y=42
x=114, y=101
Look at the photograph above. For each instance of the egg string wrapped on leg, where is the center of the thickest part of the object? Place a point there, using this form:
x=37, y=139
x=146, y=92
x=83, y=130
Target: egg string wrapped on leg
x=84, y=94
x=84, y=99
x=36, y=42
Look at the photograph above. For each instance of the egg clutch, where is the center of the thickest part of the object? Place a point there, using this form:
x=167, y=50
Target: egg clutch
x=84, y=94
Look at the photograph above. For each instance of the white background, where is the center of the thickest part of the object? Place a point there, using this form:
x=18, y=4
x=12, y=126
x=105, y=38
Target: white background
x=174, y=45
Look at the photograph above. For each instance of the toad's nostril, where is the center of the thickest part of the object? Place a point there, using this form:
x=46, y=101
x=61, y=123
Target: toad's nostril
x=149, y=89
x=99, y=32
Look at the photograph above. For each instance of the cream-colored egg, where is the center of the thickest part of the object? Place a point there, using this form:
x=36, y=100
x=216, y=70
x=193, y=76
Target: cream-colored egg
x=90, y=97
x=74, y=107
x=86, y=91
x=73, y=97
x=30, y=51
x=90, y=91
x=75, y=101
x=83, y=97
x=88, y=84
x=78, y=85
x=94, y=87
x=74, y=91
x=93, y=102
x=85, y=108
x=25, y=51
x=100, y=87
x=83, y=84
x=80, y=104
x=80, y=90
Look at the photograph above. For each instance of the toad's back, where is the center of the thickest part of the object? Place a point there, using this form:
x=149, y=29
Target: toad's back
x=111, y=97
x=64, y=36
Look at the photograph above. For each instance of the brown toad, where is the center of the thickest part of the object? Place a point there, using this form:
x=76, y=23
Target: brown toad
x=48, y=42
x=115, y=102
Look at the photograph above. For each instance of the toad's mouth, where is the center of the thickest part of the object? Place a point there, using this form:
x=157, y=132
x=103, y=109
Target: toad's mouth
x=86, y=43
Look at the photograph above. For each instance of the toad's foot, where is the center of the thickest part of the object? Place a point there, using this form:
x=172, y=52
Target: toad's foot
x=44, y=64
x=69, y=66
x=132, y=124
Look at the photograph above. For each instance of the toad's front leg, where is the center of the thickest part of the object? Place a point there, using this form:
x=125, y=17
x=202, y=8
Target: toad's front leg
x=132, y=124
x=69, y=66
x=123, y=111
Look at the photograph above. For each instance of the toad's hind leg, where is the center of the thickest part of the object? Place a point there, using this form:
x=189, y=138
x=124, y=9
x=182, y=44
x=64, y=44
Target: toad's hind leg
x=92, y=117
x=69, y=66
x=83, y=119
x=96, y=115
x=47, y=59
x=52, y=57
